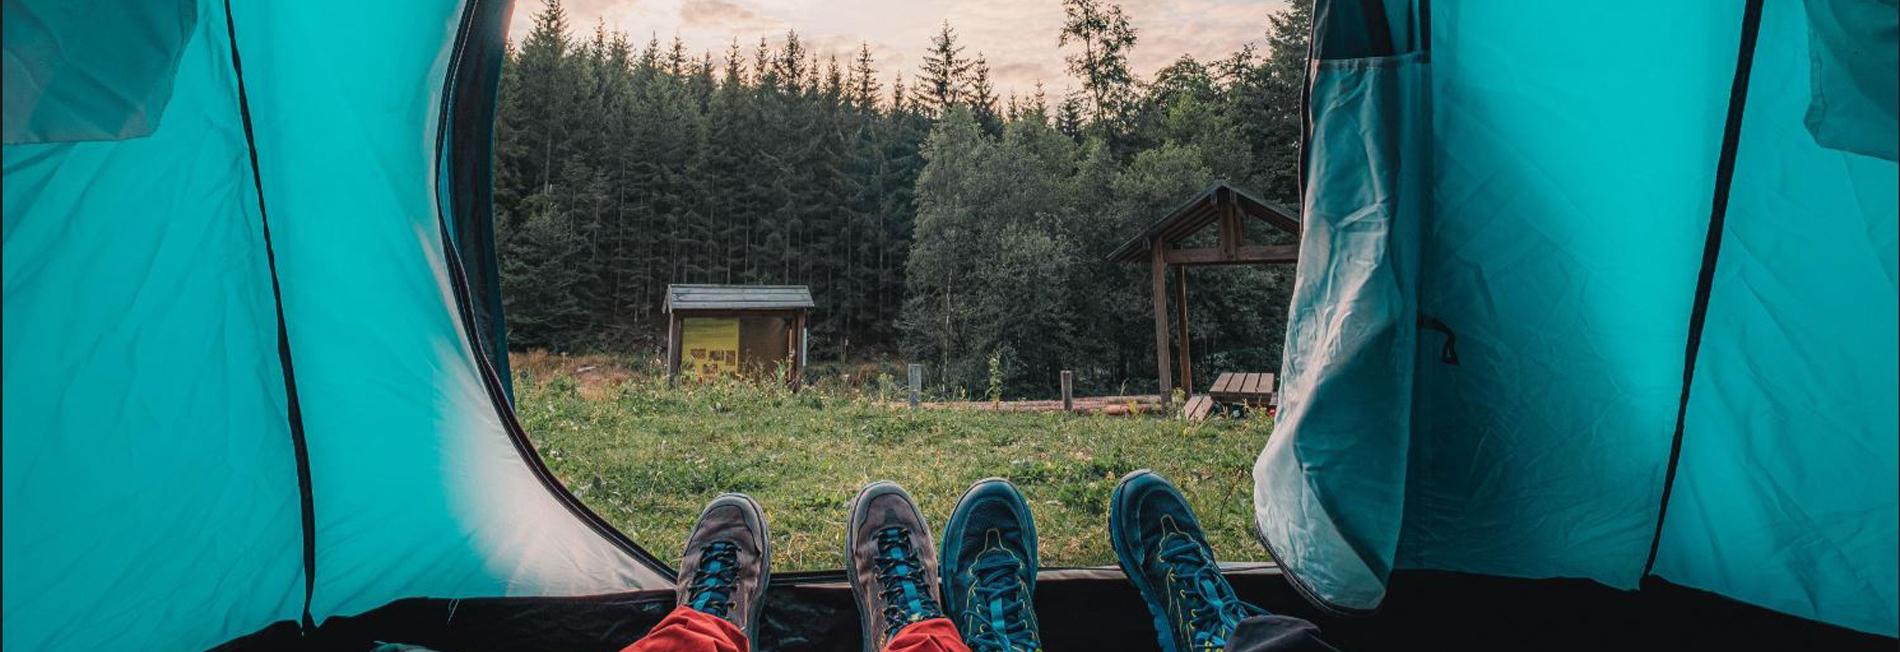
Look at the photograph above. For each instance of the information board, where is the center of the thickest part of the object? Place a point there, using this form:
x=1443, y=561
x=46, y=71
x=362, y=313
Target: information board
x=709, y=347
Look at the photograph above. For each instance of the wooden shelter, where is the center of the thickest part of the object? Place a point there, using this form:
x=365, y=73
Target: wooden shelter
x=1165, y=244
x=715, y=330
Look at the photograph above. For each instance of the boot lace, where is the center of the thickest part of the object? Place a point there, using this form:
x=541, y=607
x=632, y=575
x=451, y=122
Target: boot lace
x=712, y=586
x=1203, y=600
x=901, y=584
x=997, y=619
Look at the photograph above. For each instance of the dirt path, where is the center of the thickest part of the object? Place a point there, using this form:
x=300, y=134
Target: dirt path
x=1111, y=405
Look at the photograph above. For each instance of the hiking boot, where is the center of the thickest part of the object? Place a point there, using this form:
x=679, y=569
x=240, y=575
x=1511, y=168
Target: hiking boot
x=890, y=562
x=1160, y=547
x=989, y=569
x=728, y=562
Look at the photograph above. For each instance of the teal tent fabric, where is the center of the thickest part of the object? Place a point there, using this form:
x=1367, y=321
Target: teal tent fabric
x=1856, y=97
x=379, y=348
x=150, y=490
x=85, y=70
x=1358, y=281
x=1786, y=492
x=153, y=489
x=1563, y=245
x=1572, y=159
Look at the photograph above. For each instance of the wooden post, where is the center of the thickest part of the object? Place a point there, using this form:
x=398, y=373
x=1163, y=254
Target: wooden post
x=1068, y=391
x=1232, y=233
x=916, y=384
x=673, y=335
x=790, y=362
x=797, y=362
x=1159, y=251
x=1181, y=316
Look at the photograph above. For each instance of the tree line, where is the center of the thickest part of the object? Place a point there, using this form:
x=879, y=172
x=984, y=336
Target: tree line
x=930, y=217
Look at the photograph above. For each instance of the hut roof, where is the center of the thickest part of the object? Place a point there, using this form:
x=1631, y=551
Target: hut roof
x=737, y=297
x=1200, y=211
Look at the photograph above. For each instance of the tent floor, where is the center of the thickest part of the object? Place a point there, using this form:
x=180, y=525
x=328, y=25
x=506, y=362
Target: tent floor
x=1091, y=609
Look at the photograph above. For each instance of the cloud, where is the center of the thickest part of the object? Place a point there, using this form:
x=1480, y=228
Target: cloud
x=722, y=13
x=1030, y=71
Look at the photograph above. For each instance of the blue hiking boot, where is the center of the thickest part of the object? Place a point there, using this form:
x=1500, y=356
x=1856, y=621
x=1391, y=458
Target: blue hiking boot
x=989, y=569
x=890, y=563
x=1161, y=549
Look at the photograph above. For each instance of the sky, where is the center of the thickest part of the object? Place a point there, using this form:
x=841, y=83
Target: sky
x=1018, y=37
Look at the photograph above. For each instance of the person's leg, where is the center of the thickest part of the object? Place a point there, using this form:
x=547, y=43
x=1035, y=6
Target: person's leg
x=1161, y=548
x=988, y=563
x=933, y=635
x=686, y=630
x=723, y=575
x=892, y=567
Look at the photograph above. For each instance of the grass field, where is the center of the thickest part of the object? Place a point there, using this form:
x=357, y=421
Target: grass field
x=646, y=457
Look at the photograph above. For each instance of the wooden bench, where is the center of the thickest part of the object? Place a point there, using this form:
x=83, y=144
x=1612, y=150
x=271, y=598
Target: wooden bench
x=1197, y=408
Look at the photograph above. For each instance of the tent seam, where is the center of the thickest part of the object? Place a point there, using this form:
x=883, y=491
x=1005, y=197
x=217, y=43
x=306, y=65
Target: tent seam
x=1711, y=251
x=293, y=407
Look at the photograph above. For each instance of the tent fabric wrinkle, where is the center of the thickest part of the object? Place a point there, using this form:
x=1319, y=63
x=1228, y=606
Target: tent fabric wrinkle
x=1331, y=503
x=76, y=71
x=1851, y=61
x=1562, y=237
x=142, y=371
x=1787, y=494
x=143, y=389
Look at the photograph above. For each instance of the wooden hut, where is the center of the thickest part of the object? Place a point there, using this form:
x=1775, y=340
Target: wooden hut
x=732, y=330
x=1166, y=244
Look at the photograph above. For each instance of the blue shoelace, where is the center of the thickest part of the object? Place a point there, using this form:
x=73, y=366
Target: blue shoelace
x=1204, y=600
x=711, y=590
x=900, y=579
x=997, y=618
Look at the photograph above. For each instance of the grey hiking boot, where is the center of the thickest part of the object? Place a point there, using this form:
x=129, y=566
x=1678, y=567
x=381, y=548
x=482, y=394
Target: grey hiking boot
x=890, y=562
x=728, y=562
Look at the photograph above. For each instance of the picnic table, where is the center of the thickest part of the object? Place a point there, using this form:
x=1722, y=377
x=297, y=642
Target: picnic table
x=1252, y=389
x=1242, y=389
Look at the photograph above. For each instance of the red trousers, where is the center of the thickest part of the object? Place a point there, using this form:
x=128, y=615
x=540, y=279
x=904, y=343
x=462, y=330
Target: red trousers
x=686, y=630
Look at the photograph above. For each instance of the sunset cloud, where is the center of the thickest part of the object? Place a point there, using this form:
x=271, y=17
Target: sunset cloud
x=1018, y=37
x=723, y=14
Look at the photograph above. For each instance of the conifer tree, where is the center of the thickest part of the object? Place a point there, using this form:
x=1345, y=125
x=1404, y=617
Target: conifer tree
x=864, y=84
x=945, y=76
x=900, y=101
x=1069, y=118
x=982, y=97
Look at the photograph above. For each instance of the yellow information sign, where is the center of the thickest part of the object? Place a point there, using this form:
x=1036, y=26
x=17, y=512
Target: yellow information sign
x=709, y=347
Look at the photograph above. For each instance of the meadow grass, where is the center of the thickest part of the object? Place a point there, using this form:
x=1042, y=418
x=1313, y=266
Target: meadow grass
x=646, y=457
